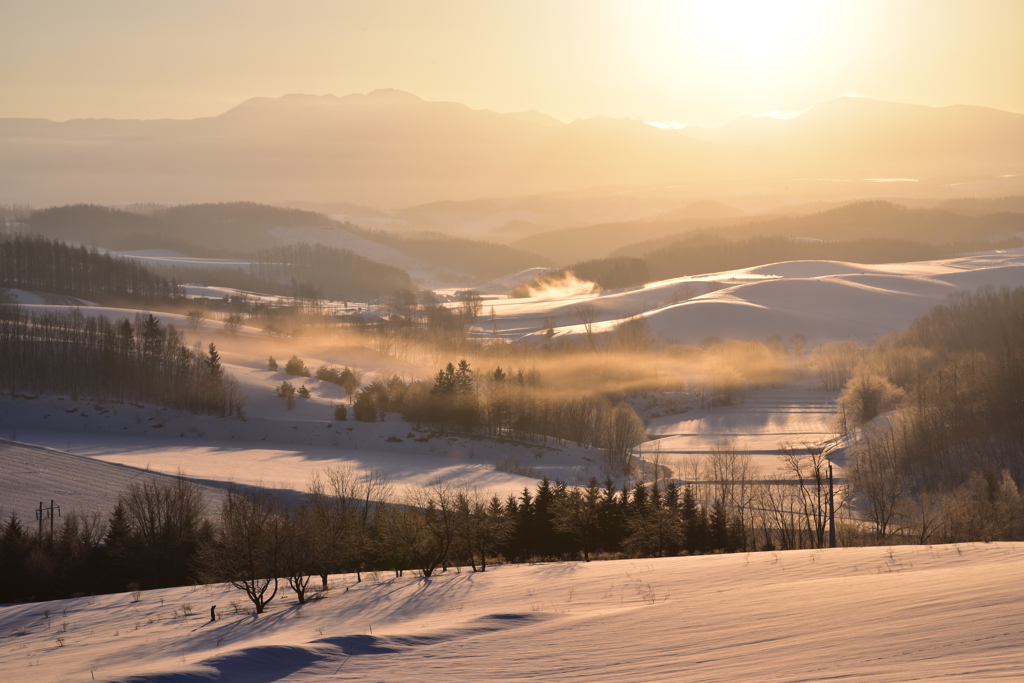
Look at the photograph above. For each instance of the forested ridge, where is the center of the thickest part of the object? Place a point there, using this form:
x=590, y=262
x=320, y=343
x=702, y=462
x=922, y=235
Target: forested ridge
x=337, y=274
x=953, y=222
x=224, y=229
x=243, y=229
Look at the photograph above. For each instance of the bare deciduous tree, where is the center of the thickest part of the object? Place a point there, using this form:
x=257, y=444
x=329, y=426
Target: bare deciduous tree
x=586, y=314
x=195, y=318
x=878, y=480
x=248, y=551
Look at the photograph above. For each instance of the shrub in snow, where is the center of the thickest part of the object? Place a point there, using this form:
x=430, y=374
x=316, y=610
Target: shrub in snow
x=296, y=367
x=287, y=392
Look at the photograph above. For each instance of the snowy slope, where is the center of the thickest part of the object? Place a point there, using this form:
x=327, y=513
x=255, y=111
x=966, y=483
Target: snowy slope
x=823, y=300
x=31, y=474
x=922, y=613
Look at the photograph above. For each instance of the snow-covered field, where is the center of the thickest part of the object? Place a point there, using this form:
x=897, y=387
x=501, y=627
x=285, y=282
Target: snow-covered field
x=865, y=614
x=167, y=257
x=282, y=449
x=822, y=300
x=765, y=418
x=31, y=475
x=907, y=613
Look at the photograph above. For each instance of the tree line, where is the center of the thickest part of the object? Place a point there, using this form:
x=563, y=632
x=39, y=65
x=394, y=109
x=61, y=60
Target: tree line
x=40, y=264
x=94, y=357
x=162, y=534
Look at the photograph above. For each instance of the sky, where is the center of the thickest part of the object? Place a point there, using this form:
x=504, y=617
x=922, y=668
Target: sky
x=660, y=60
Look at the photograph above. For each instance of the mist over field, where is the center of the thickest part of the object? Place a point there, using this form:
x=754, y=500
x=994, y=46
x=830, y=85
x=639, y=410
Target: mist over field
x=586, y=342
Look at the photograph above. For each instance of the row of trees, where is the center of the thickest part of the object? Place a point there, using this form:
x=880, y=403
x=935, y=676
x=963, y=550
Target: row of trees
x=507, y=406
x=94, y=357
x=161, y=534
x=40, y=264
x=150, y=540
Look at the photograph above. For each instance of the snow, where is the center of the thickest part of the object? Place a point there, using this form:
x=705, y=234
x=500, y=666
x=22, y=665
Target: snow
x=866, y=614
x=273, y=446
x=30, y=475
x=281, y=448
x=922, y=613
x=167, y=258
x=822, y=300
x=757, y=426
x=25, y=297
x=503, y=284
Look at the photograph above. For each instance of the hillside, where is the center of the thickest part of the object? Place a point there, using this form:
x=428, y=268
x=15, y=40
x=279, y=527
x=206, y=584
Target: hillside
x=871, y=614
x=241, y=229
x=875, y=219
x=823, y=300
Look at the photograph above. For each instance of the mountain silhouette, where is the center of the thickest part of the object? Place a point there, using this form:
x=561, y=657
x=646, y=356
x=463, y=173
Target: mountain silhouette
x=391, y=148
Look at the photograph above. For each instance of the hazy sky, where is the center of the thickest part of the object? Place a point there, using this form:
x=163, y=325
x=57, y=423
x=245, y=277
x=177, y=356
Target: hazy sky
x=697, y=62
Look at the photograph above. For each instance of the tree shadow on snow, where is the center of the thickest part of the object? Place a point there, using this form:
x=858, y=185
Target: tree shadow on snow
x=253, y=665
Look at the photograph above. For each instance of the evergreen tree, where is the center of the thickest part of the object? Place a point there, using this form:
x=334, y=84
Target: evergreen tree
x=543, y=520
x=719, y=527
x=212, y=361
x=15, y=544
x=695, y=523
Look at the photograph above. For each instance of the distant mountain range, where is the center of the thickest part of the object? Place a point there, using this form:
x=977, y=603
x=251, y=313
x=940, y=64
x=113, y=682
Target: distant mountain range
x=390, y=149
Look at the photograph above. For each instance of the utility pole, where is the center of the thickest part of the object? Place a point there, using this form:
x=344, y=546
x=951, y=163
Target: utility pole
x=49, y=512
x=831, y=509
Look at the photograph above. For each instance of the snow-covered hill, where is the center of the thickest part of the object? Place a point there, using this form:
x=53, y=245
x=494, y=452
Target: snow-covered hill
x=922, y=613
x=822, y=300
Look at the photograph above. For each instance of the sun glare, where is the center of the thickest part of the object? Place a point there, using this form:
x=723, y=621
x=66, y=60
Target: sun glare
x=760, y=51
x=762, y=37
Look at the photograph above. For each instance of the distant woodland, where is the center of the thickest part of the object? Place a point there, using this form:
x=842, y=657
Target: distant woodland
x=942, y=408
x=239, y=230
x=484, y=260
x=39, y=264
x=980, y=222
x=95, y=358
x=226, y=230
x=307, y=272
